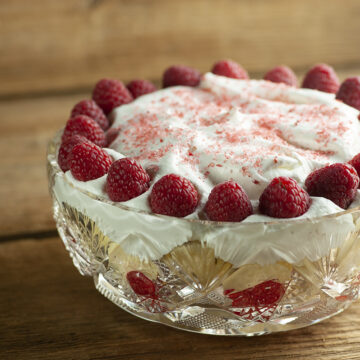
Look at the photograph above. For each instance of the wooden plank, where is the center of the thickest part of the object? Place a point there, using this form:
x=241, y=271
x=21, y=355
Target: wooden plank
x=56, y=45
x=25, y=129
x=50, y=312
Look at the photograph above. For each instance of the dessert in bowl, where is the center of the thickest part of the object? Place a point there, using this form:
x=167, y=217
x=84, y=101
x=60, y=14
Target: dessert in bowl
x=218, y=205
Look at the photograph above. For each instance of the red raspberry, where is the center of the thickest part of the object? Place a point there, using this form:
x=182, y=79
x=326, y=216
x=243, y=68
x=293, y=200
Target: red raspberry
x=110, y=93
x=173, y=195
x=336, y=182
x=65, y=150
x=126, y=179
x=321, y=77
x=181, y=75
x=92, y=110
x=85, y=126
x=267, y=293
x=228, y=202
x=231, y=69
x=111, y=135
x=355, y=162
x=281, y=74
x=141, y=284
x=88, y=162
x=349, y=92
x=284, y=198
x=140, y=87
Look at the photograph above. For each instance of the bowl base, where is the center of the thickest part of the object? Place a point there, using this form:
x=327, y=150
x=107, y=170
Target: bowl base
x=211, y=321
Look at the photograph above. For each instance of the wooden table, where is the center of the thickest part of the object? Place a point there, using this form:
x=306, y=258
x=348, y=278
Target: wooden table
x=49, y=311
x=52, y=53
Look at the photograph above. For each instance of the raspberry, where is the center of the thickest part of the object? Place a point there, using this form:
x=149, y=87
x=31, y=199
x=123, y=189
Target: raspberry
x=281, y=74
x=228, y=202
x=284, y=198
x=355, y=162
x=92, y=110
x=231, y=69
x=85, y=126
x=336, y=182
x=181, y=75
x=126, y=179
x=173, y=195
x=110, y=93
x=140, y=87
x=65, y=149
x=141, y=284
x=267, y=293
x=88, y=161
x=321, y=77
x=349, y=92
x=111, y=135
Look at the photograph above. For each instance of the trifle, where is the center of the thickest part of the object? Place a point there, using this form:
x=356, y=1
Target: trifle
x=218, y=204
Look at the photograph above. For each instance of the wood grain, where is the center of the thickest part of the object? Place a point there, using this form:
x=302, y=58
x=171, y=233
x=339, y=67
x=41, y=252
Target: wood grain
x=56, y=45
x=25, y=129
x=50, y=312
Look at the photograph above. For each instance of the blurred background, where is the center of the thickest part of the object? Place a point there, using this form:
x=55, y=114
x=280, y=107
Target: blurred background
x=52, y=46
x=52, y=53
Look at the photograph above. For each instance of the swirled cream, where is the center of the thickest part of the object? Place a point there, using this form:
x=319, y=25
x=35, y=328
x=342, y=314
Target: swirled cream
x=249, y=131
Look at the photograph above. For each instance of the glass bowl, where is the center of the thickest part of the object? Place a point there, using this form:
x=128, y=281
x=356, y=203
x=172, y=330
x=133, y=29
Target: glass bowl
x=208, y=277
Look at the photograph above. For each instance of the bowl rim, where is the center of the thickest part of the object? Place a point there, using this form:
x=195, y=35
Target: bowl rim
x=52, y=150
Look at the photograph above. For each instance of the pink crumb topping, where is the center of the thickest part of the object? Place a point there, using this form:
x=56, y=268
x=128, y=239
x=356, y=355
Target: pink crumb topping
x=176, y=122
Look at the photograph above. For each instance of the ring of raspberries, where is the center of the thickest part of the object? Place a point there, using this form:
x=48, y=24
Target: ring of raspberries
x=89, y=130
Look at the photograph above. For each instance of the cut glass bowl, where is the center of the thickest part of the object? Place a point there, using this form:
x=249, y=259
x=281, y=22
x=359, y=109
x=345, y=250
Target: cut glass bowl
x=192, y=287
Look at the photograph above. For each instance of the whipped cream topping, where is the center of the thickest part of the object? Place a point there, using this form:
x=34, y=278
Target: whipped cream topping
x=253, y=241
x=249, y=131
